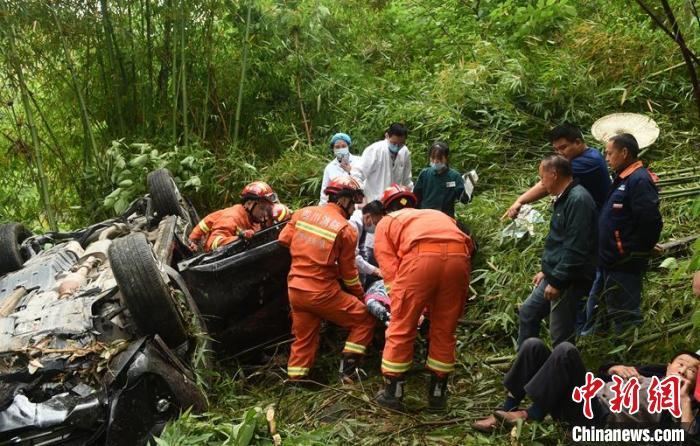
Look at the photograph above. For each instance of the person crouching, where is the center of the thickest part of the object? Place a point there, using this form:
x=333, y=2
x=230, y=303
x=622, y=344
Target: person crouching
x=425, y=261
x=322, y=244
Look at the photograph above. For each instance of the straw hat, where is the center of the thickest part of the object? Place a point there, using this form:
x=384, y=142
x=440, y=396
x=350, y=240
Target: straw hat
x=643, y=128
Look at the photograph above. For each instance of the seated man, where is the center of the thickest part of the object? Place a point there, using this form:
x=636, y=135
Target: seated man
x=549, y=379
x=242, y=220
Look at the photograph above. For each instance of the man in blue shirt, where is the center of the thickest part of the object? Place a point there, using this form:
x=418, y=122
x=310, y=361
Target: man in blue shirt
x=629, y=227
x=587, y=164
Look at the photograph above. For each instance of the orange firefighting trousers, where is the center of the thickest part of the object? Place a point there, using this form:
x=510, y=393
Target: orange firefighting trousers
x=435, y=275
x=334, y=305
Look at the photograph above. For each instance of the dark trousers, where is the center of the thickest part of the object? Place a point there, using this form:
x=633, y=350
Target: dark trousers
x=615, y=299
x=548, y=378
x=562, y=313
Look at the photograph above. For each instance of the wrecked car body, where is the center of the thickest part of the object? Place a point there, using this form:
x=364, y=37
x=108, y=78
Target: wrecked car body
x=241, y=291
x=98, y=334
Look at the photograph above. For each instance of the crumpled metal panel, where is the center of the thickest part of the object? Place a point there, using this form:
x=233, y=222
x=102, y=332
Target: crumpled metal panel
x=44, y=315
x=41, y=271
x=23, y=413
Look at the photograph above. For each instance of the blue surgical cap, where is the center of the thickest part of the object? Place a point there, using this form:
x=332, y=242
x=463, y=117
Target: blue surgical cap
x=338, y=136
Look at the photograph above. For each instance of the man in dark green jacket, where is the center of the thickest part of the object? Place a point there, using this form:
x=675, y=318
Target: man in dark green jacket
x=568, y=260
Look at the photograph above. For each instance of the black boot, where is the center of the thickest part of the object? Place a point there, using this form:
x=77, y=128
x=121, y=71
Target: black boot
x=437, y=393
x=350, y=370
x=391, y=395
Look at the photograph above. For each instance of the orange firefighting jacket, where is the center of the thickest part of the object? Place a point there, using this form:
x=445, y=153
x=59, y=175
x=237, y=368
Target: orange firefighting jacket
x=400, y=233
x=222, y=227
x=322, y=245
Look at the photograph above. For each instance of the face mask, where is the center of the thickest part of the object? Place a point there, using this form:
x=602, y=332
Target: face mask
x=438, y=167
x=393, y=148
x=370, y=229
x=341, y=154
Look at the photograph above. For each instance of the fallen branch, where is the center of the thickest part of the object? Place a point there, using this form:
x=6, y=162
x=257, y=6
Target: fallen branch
x=659, y=335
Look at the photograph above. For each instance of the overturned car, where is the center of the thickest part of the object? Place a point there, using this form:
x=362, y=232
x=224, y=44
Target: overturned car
x=241, y=291
x=99, y=336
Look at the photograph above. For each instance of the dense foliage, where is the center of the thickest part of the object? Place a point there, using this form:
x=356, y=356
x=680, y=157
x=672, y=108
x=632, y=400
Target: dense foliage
x=94, y=94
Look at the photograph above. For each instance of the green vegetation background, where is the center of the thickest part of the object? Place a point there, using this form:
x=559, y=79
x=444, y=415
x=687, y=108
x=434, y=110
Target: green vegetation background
x=116, y=88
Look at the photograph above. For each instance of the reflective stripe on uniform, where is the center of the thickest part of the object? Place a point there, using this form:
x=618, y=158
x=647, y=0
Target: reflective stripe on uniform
x=316, y=230
x=396, y=367
x=215, y=243
x=296, y=372
x=203, y=226
x=351, y=282
x=354, y=348
x=440, y=366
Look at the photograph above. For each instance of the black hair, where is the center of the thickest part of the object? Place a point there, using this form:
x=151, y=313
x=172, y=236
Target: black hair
x=626, y=141
x=373, y=207
x=397, y=129
x=567, y=131
x=440, y=149
x=690, y=353
x=558, y=164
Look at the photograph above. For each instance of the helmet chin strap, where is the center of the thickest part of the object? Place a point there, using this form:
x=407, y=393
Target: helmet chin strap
x=348, y=212
x=250, y=211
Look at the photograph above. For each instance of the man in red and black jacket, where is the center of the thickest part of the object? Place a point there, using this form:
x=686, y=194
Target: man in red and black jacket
x=628, y=229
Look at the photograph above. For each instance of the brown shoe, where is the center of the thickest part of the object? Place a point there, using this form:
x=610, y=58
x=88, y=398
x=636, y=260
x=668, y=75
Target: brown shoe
x=511, y=418
x=486, y=425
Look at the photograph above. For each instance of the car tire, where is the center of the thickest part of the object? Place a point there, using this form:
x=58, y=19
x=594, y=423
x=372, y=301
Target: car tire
x=165, y=196
x=11, y=237
x=144, y=290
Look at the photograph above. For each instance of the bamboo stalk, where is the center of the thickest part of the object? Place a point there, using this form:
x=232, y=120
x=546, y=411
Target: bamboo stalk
x=90, y=147
x=176, y=78
x=659, y=335
x=244, y=64
x=681, y=195
x=183, y=71
x=43, y=185
x=678, y=180
x=109, y=39
x=678, y=171
x=665, y=193
x=149, y=56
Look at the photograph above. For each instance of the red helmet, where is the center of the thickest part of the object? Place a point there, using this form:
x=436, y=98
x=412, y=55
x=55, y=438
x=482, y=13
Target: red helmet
x=280, y=213
x=401, y=193
x=345, y=186
x=258, y=190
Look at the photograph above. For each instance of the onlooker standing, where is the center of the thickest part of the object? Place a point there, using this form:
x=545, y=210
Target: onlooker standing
x=568, y=259
x=438, y=186
x=341, y=164
x=629, y=228
x=587, y=164
x=385, y=162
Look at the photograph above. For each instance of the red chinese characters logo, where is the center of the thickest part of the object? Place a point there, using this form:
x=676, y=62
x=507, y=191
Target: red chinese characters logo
x=665, y=395
x=626, y=395
x=586, y=393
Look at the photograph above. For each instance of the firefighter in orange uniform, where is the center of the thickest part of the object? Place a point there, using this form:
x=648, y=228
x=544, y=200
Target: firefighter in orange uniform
x=425, y=261
x=242, y=220
x=322, y=246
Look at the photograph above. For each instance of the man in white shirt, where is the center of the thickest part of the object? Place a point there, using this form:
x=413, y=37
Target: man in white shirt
x=342, y=162
x=385, y=162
